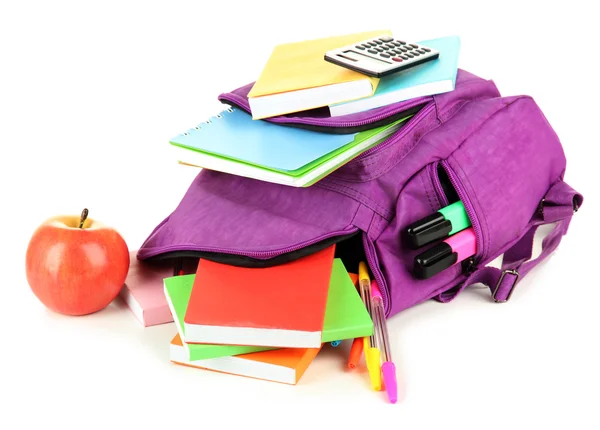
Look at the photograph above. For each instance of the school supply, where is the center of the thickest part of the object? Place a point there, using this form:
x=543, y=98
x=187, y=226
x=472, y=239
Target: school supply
x=370, y=348
x=483, y=141
x=232, y=142
x=451, y=251
x=345, y=315
x=381, y=56
x=297, y=78
x=177, y=290
x=434, y=77
x=279, y=365
x=388, y=368
x=443, y=223
x=143, y=288
x=356, y=351
x=250, y=306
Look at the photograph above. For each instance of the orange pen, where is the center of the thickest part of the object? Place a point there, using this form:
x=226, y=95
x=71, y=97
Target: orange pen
x=356, y=351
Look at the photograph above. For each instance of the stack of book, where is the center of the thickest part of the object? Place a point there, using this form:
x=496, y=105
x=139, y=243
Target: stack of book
x=266, y=323
x=297, y=79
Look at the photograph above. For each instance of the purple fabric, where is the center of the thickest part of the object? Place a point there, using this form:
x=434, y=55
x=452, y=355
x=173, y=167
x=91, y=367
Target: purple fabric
x=502, y=153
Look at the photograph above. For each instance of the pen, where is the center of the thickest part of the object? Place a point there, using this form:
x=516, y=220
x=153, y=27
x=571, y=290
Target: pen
x=445, y=254
x=372, y=353
x=443, y=223
x=336, y=343
x=387, y=368
x=356, y=351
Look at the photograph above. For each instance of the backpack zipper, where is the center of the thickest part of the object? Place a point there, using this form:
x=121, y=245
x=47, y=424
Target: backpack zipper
x=333, y=126
x=462, y=195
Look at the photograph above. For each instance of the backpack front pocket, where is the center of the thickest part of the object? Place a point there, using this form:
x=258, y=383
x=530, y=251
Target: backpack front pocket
x=502, y=172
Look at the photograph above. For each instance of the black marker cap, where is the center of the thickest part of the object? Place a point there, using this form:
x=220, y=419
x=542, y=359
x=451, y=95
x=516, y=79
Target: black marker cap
x=434, y=260
x=427, y=230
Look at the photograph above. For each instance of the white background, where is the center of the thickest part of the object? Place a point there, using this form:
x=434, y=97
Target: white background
x=90, y=95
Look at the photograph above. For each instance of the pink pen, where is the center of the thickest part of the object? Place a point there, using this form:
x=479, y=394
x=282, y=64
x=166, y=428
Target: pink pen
x=387, y=368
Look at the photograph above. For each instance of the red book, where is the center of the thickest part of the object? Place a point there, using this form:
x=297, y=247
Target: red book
x=281, y=306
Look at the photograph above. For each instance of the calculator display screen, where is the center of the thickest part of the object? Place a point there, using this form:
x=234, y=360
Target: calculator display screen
x=358, y=56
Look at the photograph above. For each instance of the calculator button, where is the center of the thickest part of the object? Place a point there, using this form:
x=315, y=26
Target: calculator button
x=366, y=45
x=397, y=43
x=413, y=45
x=360, y=47
x=386, y=39
x=399, y=60
x=401, y=42
x=404, y=57
x=403, y=49
x=384, y=47
x=378, y=49
x=372, y=51
x=420, y=51
x=391, y=45
x=384, y=55
x=415, y=53
x=391, y=51
x=409, y=54
x=379, y=42
x=372, y=44
x=426, y=49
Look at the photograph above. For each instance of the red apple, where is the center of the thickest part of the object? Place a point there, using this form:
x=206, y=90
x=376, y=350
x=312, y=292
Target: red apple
x=76, y=265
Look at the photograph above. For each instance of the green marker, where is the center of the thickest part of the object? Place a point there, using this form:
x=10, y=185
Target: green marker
x=445, y=222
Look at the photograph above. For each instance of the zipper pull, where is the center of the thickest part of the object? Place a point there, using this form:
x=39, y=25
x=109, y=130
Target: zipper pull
x=468, y=266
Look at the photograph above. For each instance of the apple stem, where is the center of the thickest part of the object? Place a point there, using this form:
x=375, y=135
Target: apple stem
x=84, y=215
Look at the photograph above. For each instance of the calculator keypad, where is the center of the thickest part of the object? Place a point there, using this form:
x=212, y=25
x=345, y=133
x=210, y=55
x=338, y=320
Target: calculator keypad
x=394, y=54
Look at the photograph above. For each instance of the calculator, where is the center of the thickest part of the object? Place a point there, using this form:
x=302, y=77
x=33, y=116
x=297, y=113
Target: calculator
x=381, y=56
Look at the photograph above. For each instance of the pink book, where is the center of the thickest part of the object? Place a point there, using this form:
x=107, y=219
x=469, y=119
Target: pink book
x=143, y=290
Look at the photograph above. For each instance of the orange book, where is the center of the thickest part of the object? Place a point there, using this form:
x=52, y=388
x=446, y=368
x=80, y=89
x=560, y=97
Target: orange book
x=281, y=306
x=280, y=365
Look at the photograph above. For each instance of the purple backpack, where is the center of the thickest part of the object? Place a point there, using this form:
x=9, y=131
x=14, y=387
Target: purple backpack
x=498, y=155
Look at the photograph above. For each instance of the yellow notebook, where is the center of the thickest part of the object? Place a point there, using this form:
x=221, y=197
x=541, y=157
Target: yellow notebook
x=297, y=77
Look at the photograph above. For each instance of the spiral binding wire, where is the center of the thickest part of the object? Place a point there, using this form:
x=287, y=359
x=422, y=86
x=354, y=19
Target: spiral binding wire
x=208, y=121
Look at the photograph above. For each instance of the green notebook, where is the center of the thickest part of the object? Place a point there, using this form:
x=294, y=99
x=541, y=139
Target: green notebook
x=345, y=315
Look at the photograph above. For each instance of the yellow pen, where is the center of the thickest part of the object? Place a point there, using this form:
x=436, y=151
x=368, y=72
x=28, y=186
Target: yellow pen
x=372, y=353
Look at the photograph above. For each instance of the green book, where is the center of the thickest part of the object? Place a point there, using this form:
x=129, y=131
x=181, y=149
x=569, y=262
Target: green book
x=345, y=315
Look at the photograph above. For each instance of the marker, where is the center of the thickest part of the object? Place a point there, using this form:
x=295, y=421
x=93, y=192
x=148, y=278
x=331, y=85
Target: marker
x=446, y=254
x=372, y=353
x=445, y=222
x=388, y=368
x=336, y=343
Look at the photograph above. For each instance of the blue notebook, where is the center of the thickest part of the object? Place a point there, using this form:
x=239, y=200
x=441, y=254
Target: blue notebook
x=434, y=77
x=233, y=134
x=232, y=142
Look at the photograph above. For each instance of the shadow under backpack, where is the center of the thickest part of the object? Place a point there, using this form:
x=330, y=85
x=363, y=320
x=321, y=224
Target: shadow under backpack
x=498, y=155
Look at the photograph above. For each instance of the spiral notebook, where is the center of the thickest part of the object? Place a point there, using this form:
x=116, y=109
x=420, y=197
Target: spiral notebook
x=234, y=143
